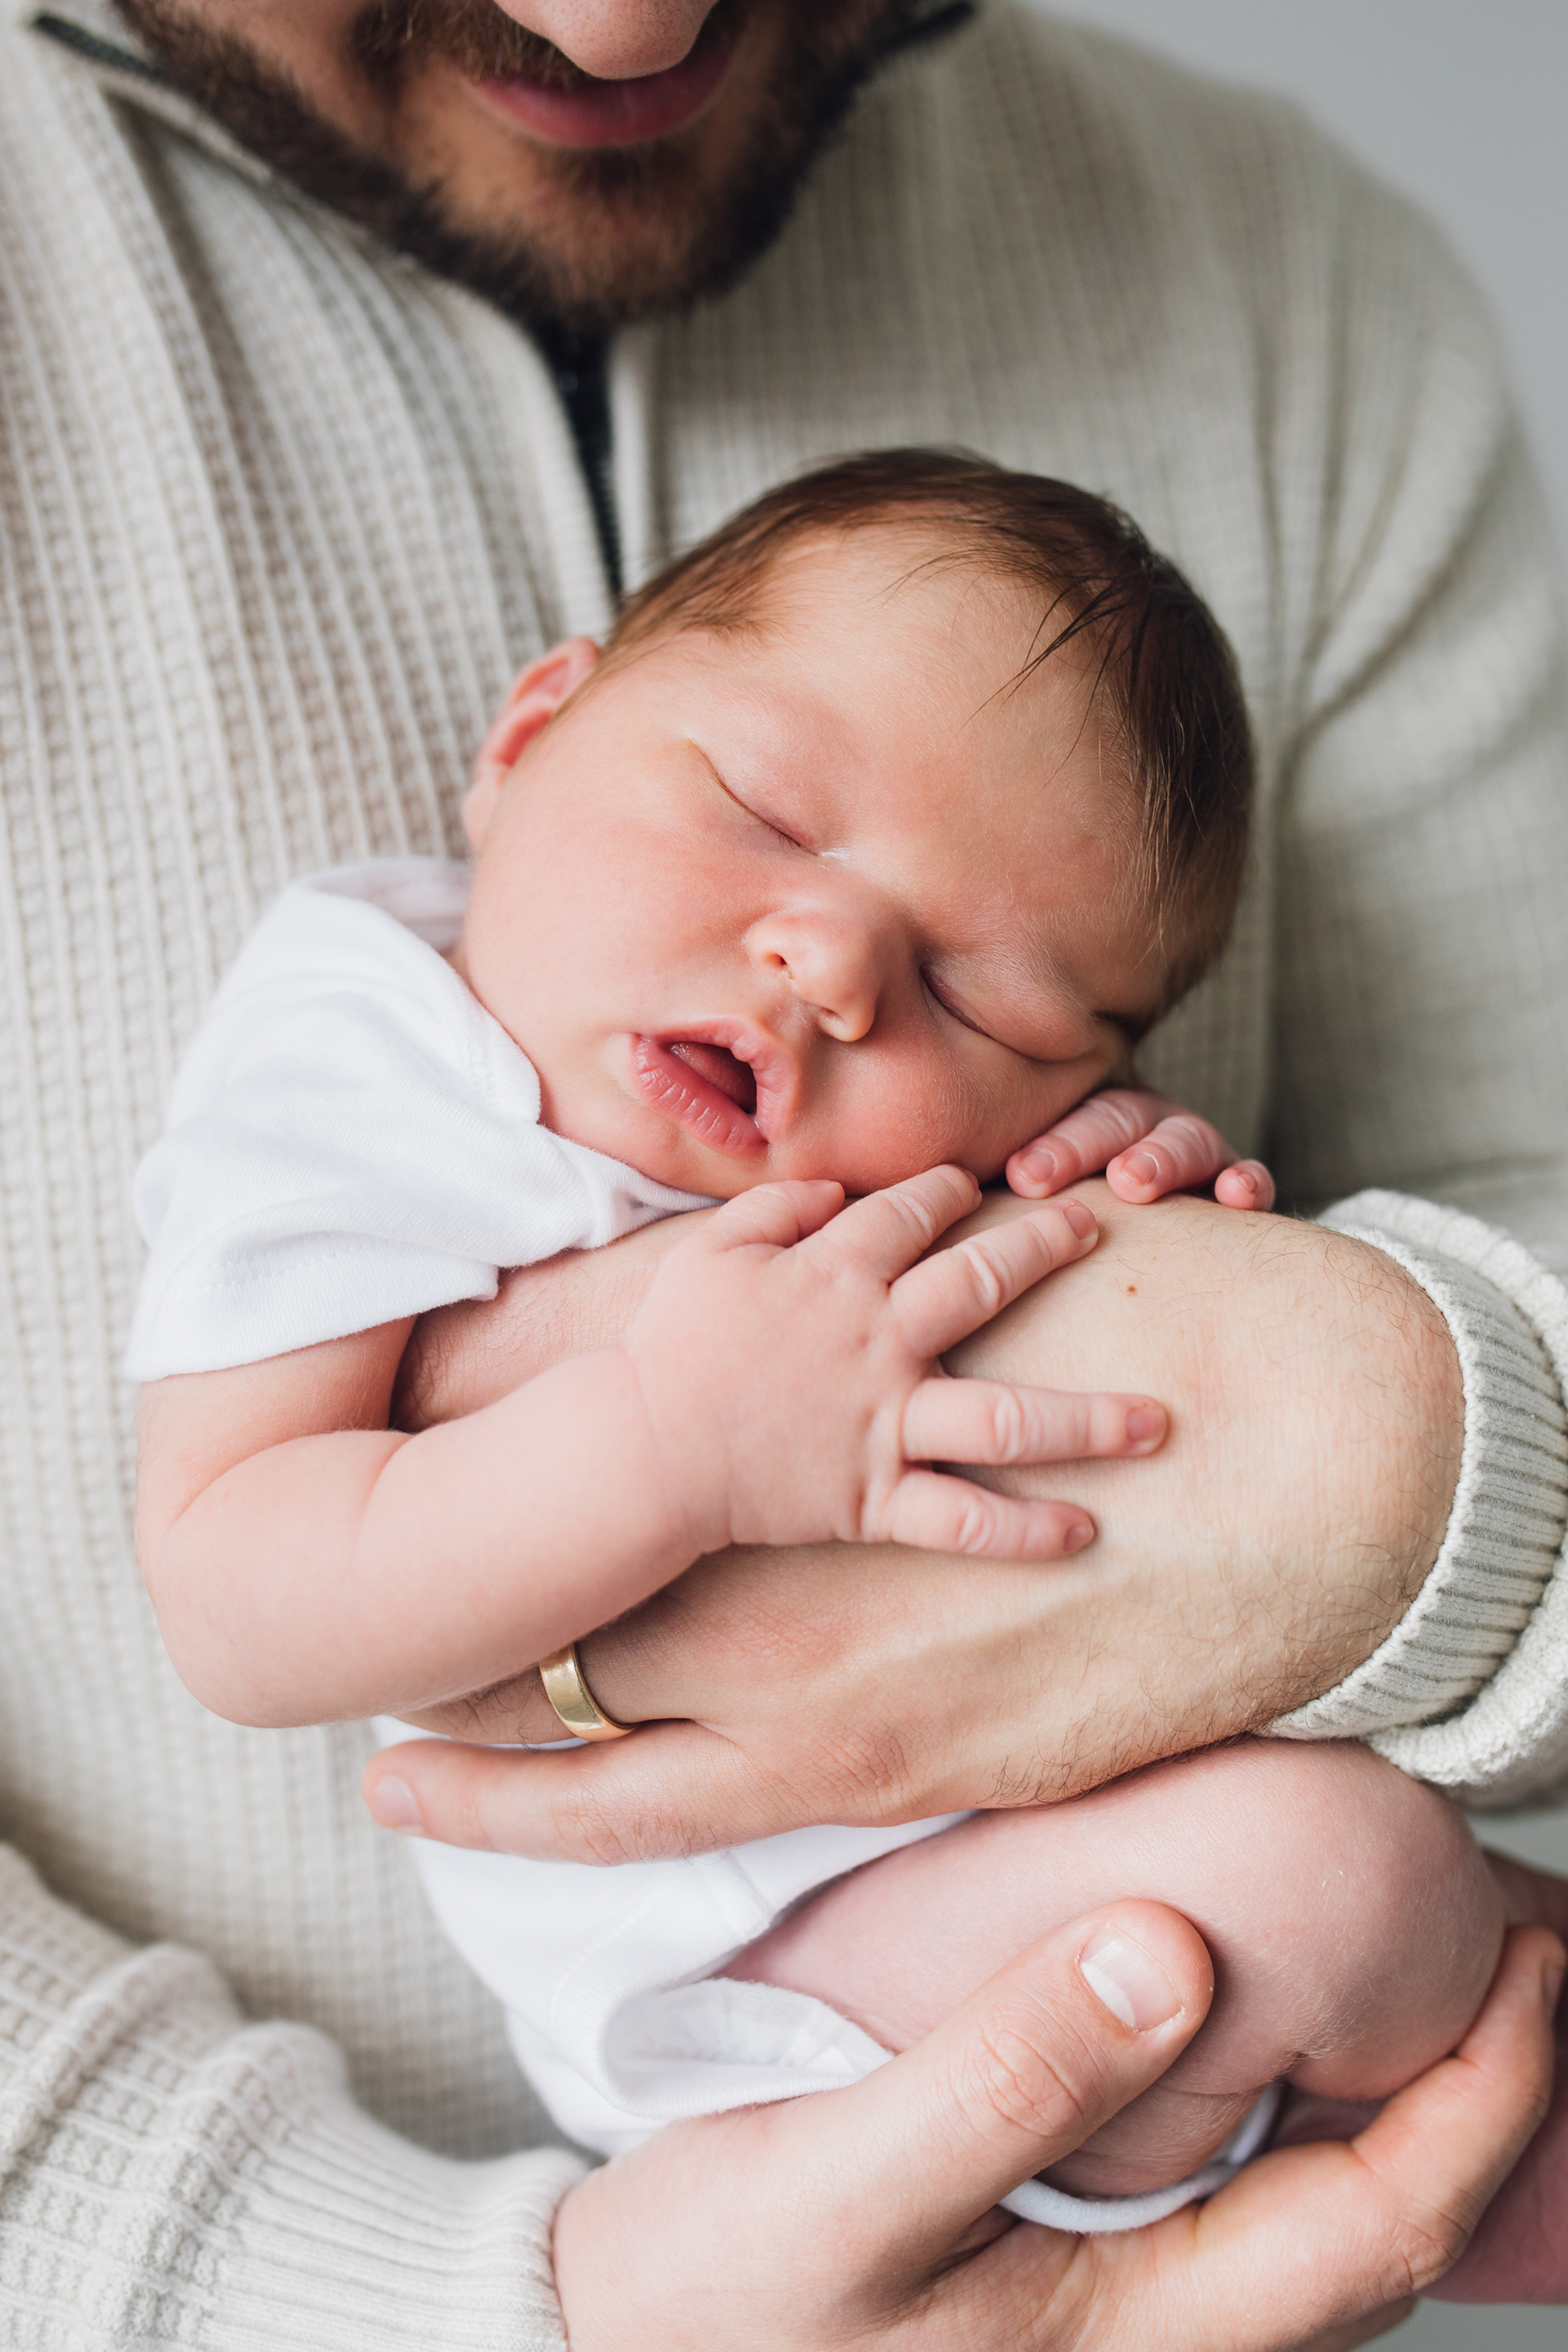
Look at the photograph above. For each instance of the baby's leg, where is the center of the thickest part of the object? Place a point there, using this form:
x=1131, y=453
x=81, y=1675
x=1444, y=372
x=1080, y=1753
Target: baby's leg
x=1353, y=1922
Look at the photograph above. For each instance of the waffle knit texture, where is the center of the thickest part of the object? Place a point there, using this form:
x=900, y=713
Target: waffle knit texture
x=281, y=516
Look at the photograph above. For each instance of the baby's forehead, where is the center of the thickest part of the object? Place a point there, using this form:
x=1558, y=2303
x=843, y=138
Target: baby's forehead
x=891, y=572
x=895, y=568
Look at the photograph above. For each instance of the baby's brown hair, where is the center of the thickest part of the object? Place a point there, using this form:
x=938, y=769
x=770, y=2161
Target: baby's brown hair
x=1165, y=672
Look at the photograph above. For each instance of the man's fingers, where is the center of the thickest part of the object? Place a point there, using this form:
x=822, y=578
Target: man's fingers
x=1441, y=2148
x=947, y=1296
x=989, y=1422
x=936, y=1513
x=1080, y=1144
x=1399, y=2201
x=1043, y=2054
x=1362, y=2331
x=671, y=1788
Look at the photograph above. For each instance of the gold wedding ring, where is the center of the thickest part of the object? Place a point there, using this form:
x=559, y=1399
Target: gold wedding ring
x=566, y=1688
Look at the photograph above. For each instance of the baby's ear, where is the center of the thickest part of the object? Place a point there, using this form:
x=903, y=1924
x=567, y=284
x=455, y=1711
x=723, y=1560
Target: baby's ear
x=536, y=696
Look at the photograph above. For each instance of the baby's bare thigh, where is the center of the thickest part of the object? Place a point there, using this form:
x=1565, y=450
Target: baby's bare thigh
x=1353, y=1921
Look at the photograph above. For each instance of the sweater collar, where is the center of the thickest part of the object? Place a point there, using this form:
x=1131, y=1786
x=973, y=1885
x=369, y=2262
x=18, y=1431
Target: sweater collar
x=96, y=38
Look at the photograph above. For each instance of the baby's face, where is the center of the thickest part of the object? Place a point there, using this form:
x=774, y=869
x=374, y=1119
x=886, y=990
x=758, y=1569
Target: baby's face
x=825, y=899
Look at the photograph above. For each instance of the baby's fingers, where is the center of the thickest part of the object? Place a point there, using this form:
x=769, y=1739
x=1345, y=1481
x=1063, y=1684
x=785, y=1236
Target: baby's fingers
x=778, y=1214
x=938, y=1514
x=947, y=1296
x=888, y=1231
x=1181, y=1154
x=1246, y=1185
x=1080, y=1144
x=986, y=1420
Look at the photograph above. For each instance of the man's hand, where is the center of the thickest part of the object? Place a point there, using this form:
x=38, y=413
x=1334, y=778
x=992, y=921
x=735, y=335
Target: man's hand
x=867, y=2218
x=1266, y=1549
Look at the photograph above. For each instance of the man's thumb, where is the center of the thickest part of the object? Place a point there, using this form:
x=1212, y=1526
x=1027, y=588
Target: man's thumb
x=1044, y=2054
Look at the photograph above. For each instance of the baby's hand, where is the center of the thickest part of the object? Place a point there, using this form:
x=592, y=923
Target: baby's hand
x=789, y=1363
x=1147, y=1145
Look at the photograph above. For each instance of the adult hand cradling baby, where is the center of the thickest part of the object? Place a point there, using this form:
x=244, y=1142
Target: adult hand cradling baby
x=867, y=2217
x=1299, y=1497
x=849, y=820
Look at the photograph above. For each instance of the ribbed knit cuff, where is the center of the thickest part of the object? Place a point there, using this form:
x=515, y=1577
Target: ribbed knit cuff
x=169, y=2175
x=1470, y=1689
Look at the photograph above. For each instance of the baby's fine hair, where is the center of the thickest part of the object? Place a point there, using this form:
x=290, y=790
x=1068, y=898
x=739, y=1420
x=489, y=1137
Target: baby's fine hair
x=1165, y=674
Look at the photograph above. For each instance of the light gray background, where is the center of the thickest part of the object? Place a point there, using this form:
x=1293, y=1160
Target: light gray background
x=1463, y=105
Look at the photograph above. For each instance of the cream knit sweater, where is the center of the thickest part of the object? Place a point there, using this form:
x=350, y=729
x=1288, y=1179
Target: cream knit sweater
x=281, y=514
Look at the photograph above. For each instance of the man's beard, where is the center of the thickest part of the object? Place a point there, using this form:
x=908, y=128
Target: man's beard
x=654, y=231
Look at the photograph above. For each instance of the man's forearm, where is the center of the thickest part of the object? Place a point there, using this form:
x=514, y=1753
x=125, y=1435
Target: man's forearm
x=1266, y=1549
x=1318, y=1422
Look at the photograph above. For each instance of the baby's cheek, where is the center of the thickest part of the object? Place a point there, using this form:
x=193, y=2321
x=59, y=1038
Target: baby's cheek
x=875, y=1128
x=901, y=1119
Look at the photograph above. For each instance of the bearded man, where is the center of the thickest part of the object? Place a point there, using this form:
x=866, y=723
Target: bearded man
x=354, y=353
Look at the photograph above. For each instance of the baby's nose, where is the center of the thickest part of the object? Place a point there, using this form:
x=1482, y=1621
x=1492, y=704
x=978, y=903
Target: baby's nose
x=831, y=965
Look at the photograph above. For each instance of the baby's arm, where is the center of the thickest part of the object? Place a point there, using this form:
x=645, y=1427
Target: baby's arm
x=1353, y=1924
x=1146, y=1145
x=307, y=1563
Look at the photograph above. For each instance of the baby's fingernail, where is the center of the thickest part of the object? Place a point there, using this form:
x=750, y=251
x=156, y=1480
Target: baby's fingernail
x=1132, y=1985
x=1240, y=1176
x=1080, y=1217
x=1081, y=1532
x=392, y=1801
x=1145, y=1424
x=1140, y=1168
x=1038, y=1161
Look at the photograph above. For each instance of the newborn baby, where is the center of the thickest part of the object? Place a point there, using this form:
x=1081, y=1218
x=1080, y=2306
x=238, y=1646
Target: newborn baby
x=884, y=827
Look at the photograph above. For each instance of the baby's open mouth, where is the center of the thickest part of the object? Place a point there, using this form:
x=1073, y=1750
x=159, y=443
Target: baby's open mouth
x=706, y=1087
x=719, y=1068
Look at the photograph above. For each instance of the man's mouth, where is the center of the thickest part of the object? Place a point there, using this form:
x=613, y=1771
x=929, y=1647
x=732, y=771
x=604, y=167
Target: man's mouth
x=587, y=114
x=714, y=1085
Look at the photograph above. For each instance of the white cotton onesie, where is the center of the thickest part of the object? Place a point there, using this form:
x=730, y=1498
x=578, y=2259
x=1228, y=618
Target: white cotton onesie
x=351, y=1138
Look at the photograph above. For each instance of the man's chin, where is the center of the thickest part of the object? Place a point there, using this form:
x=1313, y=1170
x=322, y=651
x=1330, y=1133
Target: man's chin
x=583, y=237
x=588, y=237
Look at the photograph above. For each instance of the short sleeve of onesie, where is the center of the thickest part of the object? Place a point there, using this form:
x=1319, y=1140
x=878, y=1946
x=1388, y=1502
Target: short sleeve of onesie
x=352, y=1139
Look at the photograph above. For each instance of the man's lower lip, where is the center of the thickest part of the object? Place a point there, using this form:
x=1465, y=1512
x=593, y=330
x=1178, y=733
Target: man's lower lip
x=673, y=1088
x=614, y=114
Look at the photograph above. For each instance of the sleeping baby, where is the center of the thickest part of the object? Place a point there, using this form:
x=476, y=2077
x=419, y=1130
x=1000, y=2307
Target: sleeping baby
x=881, y=829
